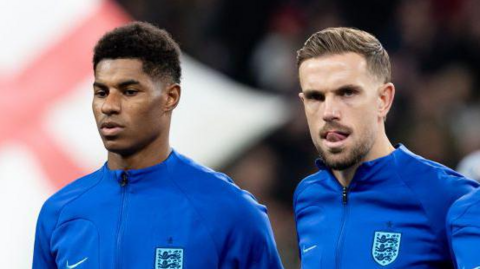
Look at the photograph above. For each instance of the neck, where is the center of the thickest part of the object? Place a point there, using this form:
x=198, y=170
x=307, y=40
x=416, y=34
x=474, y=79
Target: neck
x=147, y=157
x=381, y=148
x=345, y=176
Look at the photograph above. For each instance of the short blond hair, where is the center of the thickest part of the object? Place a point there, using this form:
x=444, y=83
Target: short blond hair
x=339, y=40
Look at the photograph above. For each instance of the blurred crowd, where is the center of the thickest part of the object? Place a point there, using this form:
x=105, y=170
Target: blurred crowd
x=434, y=46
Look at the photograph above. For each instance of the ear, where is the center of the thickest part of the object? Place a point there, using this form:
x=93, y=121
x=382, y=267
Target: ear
x=172, y=96
x=302, y=97
x=386, y=95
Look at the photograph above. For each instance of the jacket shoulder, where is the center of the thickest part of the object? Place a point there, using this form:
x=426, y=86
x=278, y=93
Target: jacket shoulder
x=466, y=210
x=50, y=215
x=213, y=194
x=433, y=178
x=434, y=185
x=213, y=190
x=57, y=202
x=307, y=182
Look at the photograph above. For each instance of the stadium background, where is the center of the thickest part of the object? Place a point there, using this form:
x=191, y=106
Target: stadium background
x=239, y=111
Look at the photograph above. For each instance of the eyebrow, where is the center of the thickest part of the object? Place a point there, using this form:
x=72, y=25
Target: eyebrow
x=349, y=87
x=128, y=83
x=310, y=92
x=120, y=85
x=99, y=85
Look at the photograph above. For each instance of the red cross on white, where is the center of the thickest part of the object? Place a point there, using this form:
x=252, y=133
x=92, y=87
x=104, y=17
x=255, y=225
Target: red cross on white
x=27, y=94
x=53, y=75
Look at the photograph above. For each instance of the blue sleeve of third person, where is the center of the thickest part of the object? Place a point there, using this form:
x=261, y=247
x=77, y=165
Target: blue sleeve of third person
x=463, y=228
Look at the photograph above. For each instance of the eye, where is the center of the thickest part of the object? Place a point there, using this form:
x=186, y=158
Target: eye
x=100, y=93
x=348, y=92
x=130, y=92
x=315, y=96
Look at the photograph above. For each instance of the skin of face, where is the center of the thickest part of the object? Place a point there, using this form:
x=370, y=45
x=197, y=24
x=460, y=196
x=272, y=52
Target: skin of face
x=345, y=106
x=132, y=111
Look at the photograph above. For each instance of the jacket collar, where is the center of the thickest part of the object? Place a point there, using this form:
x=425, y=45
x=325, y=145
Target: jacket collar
x=135, y=175
x=374, y=170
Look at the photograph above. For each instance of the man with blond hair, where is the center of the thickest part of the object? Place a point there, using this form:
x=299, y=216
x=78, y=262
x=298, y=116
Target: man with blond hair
x=371, y=204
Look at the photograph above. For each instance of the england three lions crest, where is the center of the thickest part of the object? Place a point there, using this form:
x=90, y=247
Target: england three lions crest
x=171, y=258
x=386, y=247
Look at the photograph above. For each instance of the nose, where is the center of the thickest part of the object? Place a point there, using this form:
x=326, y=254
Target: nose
x=331, y=110
x=111, y=104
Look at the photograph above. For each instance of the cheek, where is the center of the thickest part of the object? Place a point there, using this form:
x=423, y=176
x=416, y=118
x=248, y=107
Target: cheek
x=96, y=109
x=313, y=113
x=311, y=107
x=366, y=123
x=315, y=124
x=313, y=121
x=148, y=115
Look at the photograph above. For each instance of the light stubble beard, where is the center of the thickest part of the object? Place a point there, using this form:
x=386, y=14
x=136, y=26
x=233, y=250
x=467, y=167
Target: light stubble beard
x=352, y=157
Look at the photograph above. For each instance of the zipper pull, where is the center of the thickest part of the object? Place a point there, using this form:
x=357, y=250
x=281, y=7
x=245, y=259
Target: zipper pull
x=124, y=181
x=345, y=195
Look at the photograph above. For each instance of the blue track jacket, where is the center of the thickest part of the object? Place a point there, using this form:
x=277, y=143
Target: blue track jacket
x=176, y=215
x=392, y=215
x=463, y=228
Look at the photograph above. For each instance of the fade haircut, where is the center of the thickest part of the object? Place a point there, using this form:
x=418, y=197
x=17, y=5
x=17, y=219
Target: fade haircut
x=339, y=40
x=159, y=53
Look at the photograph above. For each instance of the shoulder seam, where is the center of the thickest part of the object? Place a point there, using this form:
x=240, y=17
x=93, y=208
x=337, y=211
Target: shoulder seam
x=196, y=210
x=297, y=193
x=74, y=199
x=464, y=211
x=438, y=167
x=416, y=196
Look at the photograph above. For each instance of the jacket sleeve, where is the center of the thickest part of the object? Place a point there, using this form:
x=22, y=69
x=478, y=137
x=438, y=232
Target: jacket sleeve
x=252, y=243
x=42, y=256
x=255, y=246
x=463, y=230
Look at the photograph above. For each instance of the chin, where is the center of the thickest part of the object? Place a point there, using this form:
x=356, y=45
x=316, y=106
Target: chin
x=339, y=158
x=335, y=152
x=340, y=163
x=117, y=148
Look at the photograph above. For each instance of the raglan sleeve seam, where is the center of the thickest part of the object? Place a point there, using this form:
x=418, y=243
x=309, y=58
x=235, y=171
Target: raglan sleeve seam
x=199, y=215
x=69, y=202
x=459, y=216
x=427, y=215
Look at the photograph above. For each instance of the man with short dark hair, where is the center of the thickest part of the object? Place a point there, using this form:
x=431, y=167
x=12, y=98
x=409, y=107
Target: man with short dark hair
x=148, y=206
x=370, y=204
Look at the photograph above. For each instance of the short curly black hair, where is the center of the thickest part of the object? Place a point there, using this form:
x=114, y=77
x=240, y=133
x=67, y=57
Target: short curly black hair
x=157, y=50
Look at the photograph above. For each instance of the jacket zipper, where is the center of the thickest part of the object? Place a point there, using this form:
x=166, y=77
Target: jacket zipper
x=340, y=241
x=123, y=185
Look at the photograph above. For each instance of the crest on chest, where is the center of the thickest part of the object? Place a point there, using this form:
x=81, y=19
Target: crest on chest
x=386, y=247
x=171, y=258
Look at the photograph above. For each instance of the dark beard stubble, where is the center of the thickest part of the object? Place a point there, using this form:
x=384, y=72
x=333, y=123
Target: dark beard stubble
x=356, y=155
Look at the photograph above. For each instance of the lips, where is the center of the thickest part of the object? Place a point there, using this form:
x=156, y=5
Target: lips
x=334, y=140
x=110, y=128
x=335, y=136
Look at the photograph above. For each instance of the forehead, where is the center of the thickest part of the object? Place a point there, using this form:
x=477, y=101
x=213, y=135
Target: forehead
x=334, y=71
x=120, y=69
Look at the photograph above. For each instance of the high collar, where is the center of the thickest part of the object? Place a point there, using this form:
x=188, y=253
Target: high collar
x=135, y=175
x=373, y=170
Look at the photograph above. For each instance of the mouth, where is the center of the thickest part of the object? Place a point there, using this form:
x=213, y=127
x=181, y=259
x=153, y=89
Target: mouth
x=110, y=128
x=335, y=138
